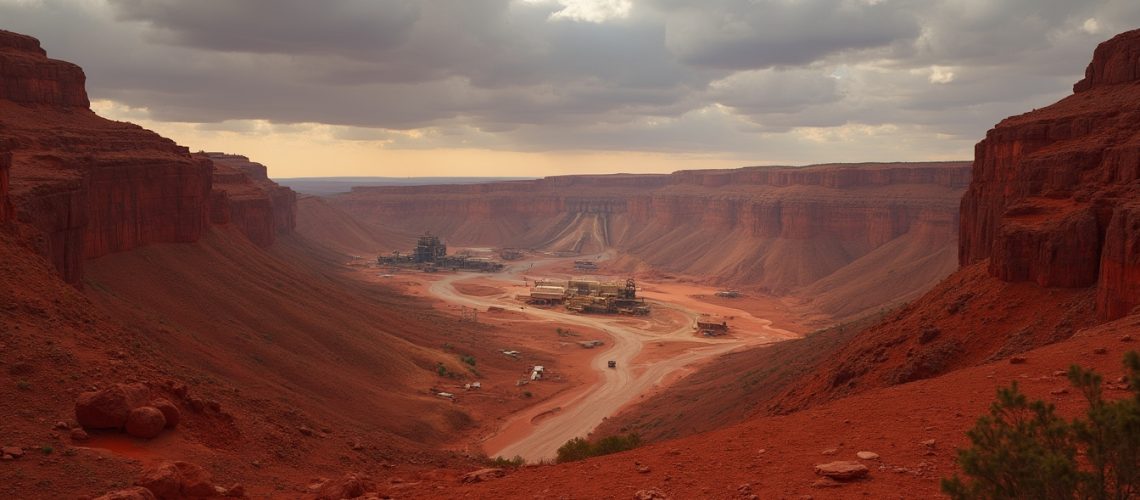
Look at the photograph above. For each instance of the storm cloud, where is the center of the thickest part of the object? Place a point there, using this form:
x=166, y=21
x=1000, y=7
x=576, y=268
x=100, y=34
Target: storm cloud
x=749, y=78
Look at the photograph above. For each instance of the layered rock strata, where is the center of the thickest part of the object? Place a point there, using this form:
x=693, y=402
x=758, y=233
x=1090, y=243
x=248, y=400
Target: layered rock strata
x=1053, y=197
x=86, y=186
x=243, y=195
x=736, y=225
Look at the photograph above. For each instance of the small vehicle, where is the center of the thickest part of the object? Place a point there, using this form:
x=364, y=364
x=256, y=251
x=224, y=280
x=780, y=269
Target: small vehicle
x=613, y=364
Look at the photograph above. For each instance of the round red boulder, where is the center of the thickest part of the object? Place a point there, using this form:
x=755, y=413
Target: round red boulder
x=145, y=422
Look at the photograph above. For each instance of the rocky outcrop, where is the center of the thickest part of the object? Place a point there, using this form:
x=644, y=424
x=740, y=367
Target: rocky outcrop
x=1053, y=190
x=109, y=408
x=29, y=77
x=243, y=195
x=86, y=187
x=1115, y=61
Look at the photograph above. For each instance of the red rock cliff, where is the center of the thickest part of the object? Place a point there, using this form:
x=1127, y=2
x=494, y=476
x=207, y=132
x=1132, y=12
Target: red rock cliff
x=1054, y=193
x=31, y=78
x=778, y=228
x=244, y=195
x=85, y=186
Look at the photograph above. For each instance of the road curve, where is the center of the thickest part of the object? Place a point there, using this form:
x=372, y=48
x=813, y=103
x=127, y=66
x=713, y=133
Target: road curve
x=616, y=386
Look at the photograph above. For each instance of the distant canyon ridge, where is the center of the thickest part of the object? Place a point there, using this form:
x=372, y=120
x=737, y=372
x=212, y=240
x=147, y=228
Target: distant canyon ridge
x=848, y=237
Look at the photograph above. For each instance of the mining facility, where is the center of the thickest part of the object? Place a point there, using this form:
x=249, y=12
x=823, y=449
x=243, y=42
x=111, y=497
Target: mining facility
x=590, y=296
x=430, y=255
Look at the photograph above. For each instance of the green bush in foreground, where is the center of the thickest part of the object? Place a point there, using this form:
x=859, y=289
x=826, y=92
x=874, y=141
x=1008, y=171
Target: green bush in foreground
x=580, y=449
x=1022, y=449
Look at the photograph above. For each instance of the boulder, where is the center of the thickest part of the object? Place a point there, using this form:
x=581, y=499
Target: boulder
x=169, y=412
x=145, y=422
x=108, y=408
x=842, y=470
x=162, y=479
x=177, y=480
x=867, y=455
x=196, y=481
x=352, y=485
x=79, y=435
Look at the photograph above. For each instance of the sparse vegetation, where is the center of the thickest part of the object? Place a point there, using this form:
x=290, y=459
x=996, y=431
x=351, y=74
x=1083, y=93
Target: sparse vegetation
x=442, y=370
x=506, y=463
x=1022, y=449
x=46, y=449
x=580, y=449
x=565, y=332
x=23, y=385
x=527, y=394
x=469, y=359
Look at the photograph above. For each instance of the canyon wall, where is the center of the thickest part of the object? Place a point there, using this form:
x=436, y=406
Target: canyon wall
x=776, y=228
x=31, y=78
x=244, y=195
x=1053, y=200
x=85, y=186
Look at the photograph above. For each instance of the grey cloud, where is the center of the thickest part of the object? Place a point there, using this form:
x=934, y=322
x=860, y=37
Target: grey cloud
x=275, y=26
x=504, y=75
x=750, y=34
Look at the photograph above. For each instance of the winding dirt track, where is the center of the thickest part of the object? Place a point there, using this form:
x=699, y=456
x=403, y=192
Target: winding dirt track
x=579, y=415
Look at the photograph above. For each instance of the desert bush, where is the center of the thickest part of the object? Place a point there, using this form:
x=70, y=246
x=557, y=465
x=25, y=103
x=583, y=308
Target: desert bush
x=1022, y=449
x=580, y=449
x=506, y=463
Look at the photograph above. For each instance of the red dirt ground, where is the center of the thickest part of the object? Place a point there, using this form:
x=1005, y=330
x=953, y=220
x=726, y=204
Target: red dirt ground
x=775, y=456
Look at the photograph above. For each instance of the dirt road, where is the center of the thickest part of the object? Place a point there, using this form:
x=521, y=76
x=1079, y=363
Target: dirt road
x=578, y=416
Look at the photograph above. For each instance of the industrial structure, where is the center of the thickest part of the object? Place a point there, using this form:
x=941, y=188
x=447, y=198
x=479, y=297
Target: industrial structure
x=710, y=328
x=590, y=296
x=430, y=255
x=510, y=254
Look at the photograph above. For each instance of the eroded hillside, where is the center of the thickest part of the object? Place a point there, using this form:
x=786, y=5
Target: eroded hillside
x=828, y=233
x=130, y=264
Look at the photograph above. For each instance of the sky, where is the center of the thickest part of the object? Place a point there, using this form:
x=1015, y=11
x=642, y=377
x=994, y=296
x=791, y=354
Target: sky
x=546, y=87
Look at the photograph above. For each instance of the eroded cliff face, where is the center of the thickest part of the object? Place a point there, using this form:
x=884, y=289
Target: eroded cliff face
x=244, y=195
x=31, y=78
x=1053, y=197
x=84, y=186
x=776, y=228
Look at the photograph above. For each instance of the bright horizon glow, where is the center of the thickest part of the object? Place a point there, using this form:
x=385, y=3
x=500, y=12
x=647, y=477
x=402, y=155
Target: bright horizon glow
x=533, y=88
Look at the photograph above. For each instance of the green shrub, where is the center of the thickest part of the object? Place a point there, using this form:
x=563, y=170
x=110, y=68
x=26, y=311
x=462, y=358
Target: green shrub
x=1023, y=449
x=507, y=463
x=23, y=385
x=469, y=359
x=580, y=449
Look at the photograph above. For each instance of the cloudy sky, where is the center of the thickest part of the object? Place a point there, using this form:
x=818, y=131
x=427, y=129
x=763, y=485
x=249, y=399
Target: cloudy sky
x=542, y=87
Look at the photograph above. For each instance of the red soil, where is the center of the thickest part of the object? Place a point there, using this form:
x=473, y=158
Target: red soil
x=775, y=455
x=319, y=221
